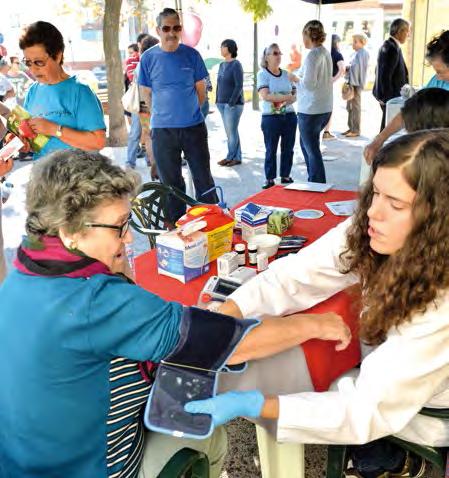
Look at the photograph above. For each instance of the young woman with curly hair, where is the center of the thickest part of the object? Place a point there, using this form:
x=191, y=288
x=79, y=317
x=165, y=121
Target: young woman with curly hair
x=396, y=248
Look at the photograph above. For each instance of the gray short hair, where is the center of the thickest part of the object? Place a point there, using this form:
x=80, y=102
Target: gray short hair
x=266, y=52
x=398, y=25
x=166, y=12
x=67, y=185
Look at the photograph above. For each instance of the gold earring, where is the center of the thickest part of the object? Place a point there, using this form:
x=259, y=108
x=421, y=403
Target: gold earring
x=73, y=246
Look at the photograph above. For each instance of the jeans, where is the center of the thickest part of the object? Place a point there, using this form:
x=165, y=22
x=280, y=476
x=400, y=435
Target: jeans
x=134, y=141
x=354, y=109
x=168, y=143
x=273, y=128
x=231, y=118
x=310, y=127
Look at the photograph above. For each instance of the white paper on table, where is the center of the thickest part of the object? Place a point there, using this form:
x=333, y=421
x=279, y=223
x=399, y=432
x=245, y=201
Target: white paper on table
x=11, y=148
x=313, y=187
x=342, y=208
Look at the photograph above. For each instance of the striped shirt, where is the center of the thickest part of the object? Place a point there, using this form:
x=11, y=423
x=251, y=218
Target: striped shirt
x=125, y=433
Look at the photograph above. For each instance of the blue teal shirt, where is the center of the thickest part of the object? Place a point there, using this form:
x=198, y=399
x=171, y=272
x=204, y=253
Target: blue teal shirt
x=172, y=77
x=68, y=103
x=55, y=362
x=434, y=82
x=275, y=84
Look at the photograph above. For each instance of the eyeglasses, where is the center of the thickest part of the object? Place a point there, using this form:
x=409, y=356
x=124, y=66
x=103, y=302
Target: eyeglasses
x=168, y=28
x=122, y=229
x=276, y=53
x=38, y=63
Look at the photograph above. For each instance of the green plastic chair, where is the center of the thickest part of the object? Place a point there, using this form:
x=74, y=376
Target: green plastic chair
x=186, y=463
x=337, y=457
x=149, y=209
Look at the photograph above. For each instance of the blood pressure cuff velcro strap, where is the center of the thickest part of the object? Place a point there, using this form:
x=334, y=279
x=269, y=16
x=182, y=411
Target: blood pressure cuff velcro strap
x=208, y=339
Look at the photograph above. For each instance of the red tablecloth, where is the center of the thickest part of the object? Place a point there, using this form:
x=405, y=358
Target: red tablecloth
x=325, y=364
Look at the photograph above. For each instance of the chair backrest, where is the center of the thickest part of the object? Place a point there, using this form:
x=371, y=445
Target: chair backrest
x=150, y=209
x=186, y=463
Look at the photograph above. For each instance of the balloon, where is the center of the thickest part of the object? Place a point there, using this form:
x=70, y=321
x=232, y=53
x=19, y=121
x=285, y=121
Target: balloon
x=192, y=26
x=2, y=38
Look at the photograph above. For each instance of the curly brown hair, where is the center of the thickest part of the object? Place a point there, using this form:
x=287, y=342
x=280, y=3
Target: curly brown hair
x=398, y=286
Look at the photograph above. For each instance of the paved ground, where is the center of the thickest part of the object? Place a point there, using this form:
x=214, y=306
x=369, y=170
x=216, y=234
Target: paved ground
x=342, y=164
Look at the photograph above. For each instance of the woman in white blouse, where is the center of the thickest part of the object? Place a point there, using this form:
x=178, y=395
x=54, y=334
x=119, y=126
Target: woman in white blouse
x=396, y=247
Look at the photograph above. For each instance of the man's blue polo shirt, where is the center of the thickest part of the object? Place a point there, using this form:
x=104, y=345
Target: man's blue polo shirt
x=172, y=77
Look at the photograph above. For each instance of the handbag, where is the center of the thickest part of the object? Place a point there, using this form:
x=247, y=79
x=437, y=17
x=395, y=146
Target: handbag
x=347, y=91
x=131, y=100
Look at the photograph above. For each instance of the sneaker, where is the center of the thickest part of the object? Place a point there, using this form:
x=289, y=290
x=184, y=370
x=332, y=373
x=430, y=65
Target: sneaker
x=287, y=180
x=328, y=135
x=268, y=184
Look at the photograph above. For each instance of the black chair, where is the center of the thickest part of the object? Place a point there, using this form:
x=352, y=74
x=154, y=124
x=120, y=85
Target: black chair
x=337, y=457
x=186, y=463
x=150, y=209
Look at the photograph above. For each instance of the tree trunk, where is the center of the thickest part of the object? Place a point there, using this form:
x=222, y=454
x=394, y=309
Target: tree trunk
x=255, y=69
x=111, y=24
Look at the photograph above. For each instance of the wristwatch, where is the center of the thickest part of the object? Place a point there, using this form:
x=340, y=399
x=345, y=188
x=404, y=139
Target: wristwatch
x=58, y=133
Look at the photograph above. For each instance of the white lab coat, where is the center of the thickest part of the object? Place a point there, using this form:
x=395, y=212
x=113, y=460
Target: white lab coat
x=406, y=372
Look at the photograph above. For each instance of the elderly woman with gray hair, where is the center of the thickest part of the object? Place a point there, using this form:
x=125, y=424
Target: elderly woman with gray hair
x=71, y=353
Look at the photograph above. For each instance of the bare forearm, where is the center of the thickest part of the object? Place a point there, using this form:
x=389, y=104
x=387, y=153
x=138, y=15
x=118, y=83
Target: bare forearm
x=274, y=335
x=87, y=140
x=276, y=97
x=392, y=127
x=270, y=408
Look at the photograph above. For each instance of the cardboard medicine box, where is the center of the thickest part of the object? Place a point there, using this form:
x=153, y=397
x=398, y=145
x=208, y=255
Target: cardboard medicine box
x=218, y=228
x=254, y=220
x=182, y=257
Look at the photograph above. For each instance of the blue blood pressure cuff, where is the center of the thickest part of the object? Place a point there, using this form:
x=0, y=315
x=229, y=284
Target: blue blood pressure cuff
x=190, y=372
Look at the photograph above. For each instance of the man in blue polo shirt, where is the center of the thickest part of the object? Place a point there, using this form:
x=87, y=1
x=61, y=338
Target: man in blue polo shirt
x=172, y=75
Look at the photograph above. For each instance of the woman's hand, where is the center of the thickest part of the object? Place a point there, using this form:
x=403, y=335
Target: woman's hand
x=43, y=126
x=228, y=406
x=230, y=308
x=293, y=78
x=330, y=326
x=371, y=150
x=5, y=166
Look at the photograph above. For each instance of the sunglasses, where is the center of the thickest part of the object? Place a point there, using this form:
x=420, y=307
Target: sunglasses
x=122, y=229
x=38, y=63
x=175, y=28
x=276, y=53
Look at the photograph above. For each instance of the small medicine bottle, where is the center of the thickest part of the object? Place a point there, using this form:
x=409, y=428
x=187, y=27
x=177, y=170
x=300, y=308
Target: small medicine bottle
x=262, y=262
x=241, y=253
x=252, y=254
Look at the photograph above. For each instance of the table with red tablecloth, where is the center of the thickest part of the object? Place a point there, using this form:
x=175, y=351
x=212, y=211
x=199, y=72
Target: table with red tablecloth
x=325, y=364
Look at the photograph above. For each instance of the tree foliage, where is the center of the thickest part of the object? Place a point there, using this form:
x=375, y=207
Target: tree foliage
x=260, y=9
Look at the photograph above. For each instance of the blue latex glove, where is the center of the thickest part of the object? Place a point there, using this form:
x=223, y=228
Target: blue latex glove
x=229, y=405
